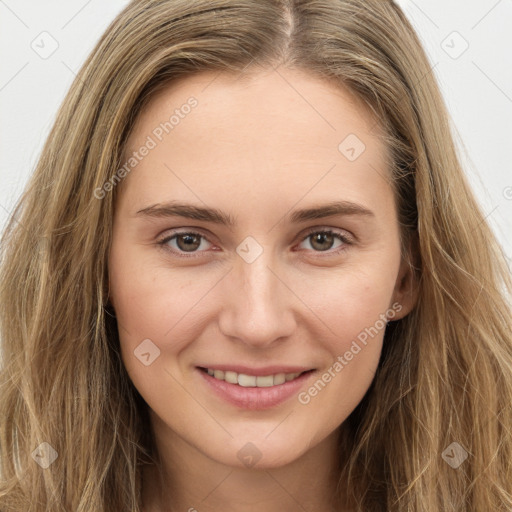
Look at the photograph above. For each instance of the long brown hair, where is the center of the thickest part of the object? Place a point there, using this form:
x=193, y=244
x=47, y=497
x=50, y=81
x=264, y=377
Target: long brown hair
x=445, y=374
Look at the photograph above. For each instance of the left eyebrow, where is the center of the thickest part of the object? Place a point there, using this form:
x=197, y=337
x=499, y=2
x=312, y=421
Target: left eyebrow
x=329, y=210
x=190, y=211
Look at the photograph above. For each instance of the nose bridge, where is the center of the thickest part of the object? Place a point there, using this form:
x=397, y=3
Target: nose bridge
x=258, y=307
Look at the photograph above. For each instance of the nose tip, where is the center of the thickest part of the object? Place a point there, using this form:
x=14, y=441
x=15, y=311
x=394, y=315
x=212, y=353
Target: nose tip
x=258, y=306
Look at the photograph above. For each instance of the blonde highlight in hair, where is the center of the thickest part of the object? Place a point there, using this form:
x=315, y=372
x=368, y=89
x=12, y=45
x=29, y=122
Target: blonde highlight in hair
x=445, y=374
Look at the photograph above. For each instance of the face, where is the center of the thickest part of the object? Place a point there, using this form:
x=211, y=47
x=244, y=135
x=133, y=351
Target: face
x=256, y=236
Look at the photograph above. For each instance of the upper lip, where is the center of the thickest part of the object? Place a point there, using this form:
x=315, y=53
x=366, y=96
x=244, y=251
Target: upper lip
x=265, y=370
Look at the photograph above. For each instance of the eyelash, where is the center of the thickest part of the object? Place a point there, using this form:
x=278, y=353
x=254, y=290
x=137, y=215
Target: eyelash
x=342, y=238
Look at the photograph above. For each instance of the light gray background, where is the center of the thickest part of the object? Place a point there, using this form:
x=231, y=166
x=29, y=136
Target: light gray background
x=476, y=84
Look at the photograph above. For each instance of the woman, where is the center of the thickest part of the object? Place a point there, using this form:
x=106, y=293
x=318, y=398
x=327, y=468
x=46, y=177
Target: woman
x=248, y=273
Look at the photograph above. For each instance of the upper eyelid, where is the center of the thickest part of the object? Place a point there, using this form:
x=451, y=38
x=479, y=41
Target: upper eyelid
x=336, y=231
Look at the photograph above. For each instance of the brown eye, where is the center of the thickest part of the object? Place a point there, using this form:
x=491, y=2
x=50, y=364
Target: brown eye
x=322, y=241
x=188, y=242
x=185, y=242
x=325, y=241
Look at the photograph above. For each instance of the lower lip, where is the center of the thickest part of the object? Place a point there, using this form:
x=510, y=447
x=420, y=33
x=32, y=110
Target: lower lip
x=253, y=398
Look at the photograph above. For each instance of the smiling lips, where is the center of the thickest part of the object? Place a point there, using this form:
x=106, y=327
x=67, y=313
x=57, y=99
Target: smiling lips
x=255, y=388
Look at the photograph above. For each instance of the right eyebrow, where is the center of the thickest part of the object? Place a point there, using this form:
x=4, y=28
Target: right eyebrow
x=188, y=211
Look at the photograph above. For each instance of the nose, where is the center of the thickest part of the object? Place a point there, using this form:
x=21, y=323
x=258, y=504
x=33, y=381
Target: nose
x=258, y=306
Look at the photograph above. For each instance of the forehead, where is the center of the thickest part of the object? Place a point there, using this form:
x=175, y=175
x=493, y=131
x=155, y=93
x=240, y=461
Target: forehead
x=256, y=101
x=256, y=133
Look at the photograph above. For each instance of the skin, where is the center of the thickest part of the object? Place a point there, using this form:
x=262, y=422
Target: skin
x=257, y=148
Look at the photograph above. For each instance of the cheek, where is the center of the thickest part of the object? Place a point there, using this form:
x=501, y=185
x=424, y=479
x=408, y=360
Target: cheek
x=352, y=312
x=152, y=302
x=352, y=306
x=350, y=301
x=151, y=312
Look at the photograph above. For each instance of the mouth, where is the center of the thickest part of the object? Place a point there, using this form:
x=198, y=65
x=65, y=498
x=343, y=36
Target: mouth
x=254, y=392
x=253, y=381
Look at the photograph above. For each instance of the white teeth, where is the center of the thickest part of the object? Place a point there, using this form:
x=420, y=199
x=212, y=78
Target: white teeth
x=246, y=380
x=231, y=377
x=280, y=378
x=251, y=381
x=264, y=381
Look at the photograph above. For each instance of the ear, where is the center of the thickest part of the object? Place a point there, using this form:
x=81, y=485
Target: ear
x=407, y=286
